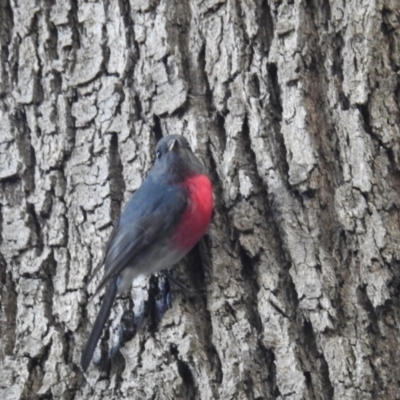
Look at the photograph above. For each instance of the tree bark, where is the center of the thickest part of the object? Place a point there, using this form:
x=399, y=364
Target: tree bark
x=293, y=106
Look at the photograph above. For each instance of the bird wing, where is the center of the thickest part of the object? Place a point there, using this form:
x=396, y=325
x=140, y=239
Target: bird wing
x=103, y=256
x=149, y=216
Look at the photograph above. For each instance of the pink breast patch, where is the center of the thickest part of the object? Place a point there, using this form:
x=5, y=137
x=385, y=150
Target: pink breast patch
x=196, y=218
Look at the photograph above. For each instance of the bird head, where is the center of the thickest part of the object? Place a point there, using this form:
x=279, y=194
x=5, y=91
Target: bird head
x=175, y=160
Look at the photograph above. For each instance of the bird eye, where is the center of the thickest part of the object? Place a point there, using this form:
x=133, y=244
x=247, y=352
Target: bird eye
x=158, y=154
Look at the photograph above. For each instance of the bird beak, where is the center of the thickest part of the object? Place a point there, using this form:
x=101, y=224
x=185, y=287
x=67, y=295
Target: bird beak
x=174, y=146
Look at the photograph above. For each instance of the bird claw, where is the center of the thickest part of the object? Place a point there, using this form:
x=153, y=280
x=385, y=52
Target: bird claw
x=163, y=297
x=168, y=301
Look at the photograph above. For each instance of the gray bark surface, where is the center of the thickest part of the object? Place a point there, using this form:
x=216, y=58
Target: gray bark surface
x=293, y=106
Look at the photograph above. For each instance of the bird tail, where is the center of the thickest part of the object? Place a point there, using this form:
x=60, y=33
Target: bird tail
x=99, y=324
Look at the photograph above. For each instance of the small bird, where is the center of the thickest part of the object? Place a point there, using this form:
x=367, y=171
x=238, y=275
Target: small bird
x=164, y=219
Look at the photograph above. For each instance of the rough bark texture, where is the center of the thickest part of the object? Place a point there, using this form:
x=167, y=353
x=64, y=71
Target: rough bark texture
x=293, y=106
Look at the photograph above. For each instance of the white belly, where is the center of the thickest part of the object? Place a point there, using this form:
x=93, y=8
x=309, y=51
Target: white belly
x=154, y=260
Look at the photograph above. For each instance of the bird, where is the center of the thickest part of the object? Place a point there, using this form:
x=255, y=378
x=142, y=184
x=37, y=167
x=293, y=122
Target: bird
x=166, y=216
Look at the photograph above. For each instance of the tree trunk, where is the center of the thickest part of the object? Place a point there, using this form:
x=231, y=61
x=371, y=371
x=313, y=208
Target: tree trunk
x=293, y=106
